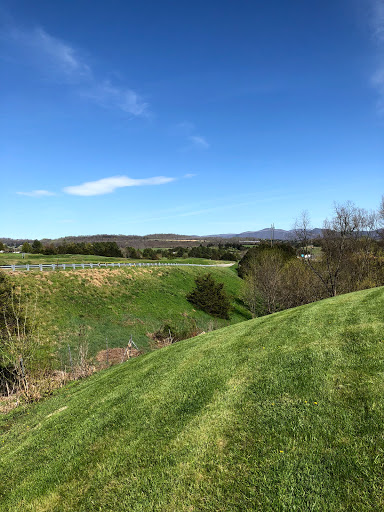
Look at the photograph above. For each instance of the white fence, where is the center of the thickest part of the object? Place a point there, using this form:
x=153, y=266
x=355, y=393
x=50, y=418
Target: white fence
x=74, y=266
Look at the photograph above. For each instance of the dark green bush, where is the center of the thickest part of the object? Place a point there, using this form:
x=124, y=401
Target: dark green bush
x=210, y=296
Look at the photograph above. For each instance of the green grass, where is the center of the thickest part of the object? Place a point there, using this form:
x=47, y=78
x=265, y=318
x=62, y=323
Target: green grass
x=281, y=413
x=115, y=303
x=34, y=259
x=316, y=251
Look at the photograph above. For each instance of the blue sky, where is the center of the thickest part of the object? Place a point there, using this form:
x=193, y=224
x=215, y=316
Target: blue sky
x=187, y=117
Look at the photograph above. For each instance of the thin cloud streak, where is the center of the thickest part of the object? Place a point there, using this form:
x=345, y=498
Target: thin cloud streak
x=62, y=60
x=107, y=95
x=109, y=185
x=51, y=54
x=62, y=54
x=377, y=24
x=223, y=202
x=185, y=127
x=37, y=193
x=198, y=141
x=193, y=213
x=378, y=20
x=378, y=83
x=195, y=141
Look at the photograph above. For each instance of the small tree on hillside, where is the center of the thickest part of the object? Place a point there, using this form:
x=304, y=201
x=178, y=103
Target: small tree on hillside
x=210, y=297
x=49, y=249
x=17, y=341
x=264, y=279
x=26, y=247
x=37, y=247
x=150, y=254
x=381, y=216
x=132, y=253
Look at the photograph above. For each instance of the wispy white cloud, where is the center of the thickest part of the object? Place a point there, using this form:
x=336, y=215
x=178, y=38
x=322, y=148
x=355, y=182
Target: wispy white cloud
x=193, y=213
x=189, y=175
x=37, y=193
x=109, y=185
x=377, y=23
x=378, y=20
x=63, y=61
x=51, y=54
x=110, y=96
x=195, y=141
x=198, y=141
x=185, y=127
x=378, y=83
x=62, y=54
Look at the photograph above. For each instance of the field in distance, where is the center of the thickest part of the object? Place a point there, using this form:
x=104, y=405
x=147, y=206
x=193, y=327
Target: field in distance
x=283, y=412
x=33, y=259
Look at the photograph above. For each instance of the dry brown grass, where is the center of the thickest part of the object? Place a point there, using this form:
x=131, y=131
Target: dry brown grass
x=115, y=355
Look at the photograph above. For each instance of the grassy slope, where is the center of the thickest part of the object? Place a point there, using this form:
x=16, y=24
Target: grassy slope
x=114, y=303
x=279, y=413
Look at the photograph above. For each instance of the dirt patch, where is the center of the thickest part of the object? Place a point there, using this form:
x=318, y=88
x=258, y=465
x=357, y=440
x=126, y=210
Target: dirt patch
x=116, y=355
x=7, y=403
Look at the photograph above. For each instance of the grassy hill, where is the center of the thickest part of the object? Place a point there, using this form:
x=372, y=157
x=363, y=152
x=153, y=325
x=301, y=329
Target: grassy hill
x=281, y=413
x=114, y=303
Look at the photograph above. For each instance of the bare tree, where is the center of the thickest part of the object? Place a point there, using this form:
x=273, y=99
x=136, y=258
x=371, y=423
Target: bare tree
x=299, y=285
x=349, y=232
x=263, y=281
x=380, y=215
x=302, y=229
x=18, y=338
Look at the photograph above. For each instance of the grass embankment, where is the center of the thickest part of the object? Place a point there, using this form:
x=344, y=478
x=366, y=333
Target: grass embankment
x=114, y=303
x=35, y=259
x=283, y=412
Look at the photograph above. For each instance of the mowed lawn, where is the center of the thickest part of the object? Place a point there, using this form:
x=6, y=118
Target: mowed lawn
x=280, y=413
x=108, y=305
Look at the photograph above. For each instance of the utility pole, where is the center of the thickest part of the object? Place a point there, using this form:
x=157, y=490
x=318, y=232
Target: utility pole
x=272, y=234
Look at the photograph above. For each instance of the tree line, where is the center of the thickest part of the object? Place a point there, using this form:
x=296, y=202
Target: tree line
x=348, y=256
x=152, y=241
x=110, y=249
x=228, y=251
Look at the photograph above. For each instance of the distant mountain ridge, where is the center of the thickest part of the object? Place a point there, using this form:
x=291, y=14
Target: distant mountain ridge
x=266, y=233
x=172, y=239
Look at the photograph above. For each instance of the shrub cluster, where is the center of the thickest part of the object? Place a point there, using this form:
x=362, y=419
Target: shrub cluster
x=110, y=249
